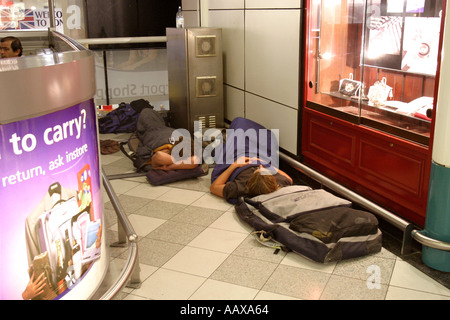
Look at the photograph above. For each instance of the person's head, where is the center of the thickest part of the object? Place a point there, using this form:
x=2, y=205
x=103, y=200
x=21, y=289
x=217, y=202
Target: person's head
x=11, y=47
x=260, y=183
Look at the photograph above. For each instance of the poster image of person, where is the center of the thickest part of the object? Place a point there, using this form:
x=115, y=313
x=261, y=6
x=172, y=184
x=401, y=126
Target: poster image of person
x=62, y=240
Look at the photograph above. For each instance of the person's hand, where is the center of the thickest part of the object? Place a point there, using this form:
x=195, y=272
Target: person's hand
x=98, y=242
x=243, y=161
x=34, y=287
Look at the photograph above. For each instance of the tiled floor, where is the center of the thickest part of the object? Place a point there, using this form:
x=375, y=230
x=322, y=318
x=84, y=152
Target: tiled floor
x=192, y=246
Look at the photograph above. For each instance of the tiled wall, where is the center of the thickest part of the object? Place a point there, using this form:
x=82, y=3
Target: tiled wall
x=261, y=44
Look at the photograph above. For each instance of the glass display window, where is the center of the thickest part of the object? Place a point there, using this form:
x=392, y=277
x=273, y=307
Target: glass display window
x=374, y=62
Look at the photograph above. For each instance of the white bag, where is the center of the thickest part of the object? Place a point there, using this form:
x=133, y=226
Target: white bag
x=379, y=93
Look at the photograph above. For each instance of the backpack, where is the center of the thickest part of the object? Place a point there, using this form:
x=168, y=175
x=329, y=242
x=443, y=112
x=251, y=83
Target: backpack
x=124, y=118
x=313, y=223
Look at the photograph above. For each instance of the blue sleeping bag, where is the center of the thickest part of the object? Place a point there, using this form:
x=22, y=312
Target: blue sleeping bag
x=246, y=138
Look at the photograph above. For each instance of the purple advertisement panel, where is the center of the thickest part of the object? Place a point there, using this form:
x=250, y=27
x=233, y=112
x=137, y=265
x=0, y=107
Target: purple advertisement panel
x=51, y=217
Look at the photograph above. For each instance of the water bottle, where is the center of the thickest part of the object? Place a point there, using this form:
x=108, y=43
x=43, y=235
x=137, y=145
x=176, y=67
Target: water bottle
x=180, y=18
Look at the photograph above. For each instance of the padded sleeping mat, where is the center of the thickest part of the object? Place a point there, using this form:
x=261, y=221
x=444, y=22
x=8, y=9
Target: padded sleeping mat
x=159, y=177
x=313, y=223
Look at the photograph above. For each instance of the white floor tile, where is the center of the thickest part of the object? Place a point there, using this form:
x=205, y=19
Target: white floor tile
x=230, y=221
x=169, y=285
x=396, y=293
x=406, y=276
x=144, y=272
x=147, y=190
x=218, y=240
x=123, y=186
x=295, y=260
x=109, y=158
x=134, y=297
x=264, y=295
x=218, y=290
x=211, y=201
x=143, y=225
x=181, y=196
x=196, y=261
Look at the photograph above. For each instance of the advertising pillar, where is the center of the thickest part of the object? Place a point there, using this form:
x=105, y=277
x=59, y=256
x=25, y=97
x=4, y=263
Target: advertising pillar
x=51, y=222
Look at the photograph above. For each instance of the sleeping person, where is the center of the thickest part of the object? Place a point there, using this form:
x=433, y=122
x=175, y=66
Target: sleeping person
x=157, y=145
x=163, y=158
x=245, y=167
x=252, y=181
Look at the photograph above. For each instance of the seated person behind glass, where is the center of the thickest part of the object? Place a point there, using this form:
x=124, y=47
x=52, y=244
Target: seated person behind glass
x=11, y=47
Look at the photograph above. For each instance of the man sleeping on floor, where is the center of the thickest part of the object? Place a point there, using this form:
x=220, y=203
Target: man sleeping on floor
x=159, y=154
x=247, y=164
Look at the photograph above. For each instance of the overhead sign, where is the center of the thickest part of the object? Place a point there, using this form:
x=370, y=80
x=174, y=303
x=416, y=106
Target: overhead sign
x=17, y=17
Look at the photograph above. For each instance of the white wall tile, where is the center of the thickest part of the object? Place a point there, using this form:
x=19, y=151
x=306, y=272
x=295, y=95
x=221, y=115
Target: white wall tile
x=232, y=24
x=234, y=103
x=252, y=4
x=191, y=19
x=272, y=53
x=274, y=116
x=226, y=4
x=189, y=4
x=261, y=62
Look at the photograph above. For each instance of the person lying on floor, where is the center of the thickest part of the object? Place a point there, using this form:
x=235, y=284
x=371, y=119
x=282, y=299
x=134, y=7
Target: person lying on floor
x=251, y=181
x=246, y=164
x=163, y=158
x=156, y=144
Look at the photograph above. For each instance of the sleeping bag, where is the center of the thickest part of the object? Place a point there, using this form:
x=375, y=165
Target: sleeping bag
x=313, y=223
x=153, y=134
x=247, y=138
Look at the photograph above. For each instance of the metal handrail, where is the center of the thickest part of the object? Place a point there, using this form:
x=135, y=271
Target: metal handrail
x=132, y=259
x=430, y=242
x=122, y=40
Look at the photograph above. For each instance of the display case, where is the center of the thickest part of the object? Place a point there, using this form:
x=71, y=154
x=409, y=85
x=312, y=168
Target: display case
x=374, y=63
x=370, y=84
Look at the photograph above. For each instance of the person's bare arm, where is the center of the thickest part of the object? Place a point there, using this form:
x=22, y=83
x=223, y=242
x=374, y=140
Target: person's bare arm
x=286, y=175
x=162, y=160
x=219, y=184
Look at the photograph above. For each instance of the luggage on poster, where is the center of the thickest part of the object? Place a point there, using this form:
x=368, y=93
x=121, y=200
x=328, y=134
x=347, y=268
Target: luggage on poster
x=61, y=240
x=313, y=223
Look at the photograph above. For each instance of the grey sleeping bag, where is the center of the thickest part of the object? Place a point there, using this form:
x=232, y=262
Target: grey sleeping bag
x=152, y=133
x=313, y=223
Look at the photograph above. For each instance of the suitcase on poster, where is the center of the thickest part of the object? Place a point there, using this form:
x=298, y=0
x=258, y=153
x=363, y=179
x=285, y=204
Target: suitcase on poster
x=68, y=238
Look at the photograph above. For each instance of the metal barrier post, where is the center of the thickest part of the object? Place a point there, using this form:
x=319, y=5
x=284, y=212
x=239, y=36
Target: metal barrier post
x=130, y=275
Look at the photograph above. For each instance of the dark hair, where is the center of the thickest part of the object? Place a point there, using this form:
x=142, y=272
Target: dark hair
x=15, y=43
x=261, y=184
